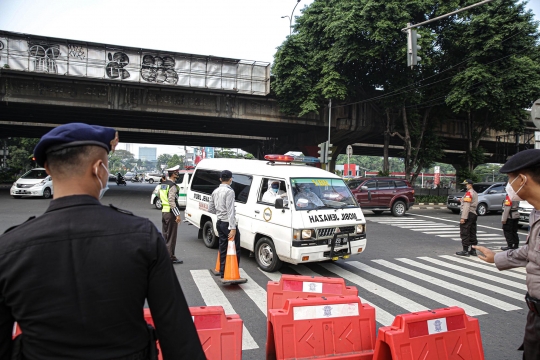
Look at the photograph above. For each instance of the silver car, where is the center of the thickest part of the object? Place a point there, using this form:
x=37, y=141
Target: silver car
x=490, y=198
x=524, y=210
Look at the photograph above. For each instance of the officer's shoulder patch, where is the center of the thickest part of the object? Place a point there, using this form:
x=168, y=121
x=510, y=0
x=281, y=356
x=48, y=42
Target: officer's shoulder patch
x=16, y=226
x=121, y=210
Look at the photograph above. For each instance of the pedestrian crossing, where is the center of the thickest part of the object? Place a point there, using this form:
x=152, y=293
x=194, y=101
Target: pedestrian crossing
x=442, y=229
x=391, y=286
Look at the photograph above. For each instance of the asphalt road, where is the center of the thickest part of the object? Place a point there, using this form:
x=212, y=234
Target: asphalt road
x=408, y=266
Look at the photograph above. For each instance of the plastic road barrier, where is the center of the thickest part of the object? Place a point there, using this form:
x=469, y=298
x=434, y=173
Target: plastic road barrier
x=442, y=334
x=220, y=334
x=298, y=286
x=337, y=327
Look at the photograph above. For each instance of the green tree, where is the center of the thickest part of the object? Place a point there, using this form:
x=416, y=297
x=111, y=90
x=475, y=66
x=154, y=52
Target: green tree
x=20, y=153
x=175, y=160
x=163, y=159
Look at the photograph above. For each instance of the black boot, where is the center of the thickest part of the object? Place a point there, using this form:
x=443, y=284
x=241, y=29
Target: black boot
x=504, y=248
x=472, y=252
x=465, y=251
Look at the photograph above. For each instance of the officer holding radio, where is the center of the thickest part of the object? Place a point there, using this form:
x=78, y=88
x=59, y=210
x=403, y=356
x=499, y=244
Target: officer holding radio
x=523, y=171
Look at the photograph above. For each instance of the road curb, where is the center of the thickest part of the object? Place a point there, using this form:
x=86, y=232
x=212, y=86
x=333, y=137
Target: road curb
x=429, y=206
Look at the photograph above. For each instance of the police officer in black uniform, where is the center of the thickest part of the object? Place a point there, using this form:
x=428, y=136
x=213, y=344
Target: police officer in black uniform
x=76, y=278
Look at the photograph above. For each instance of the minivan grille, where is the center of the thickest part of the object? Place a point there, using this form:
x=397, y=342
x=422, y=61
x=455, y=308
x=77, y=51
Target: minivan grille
x=25, y=186
x=330, y=231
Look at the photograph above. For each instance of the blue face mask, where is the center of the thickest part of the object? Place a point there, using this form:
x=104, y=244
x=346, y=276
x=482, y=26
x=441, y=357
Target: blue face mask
x=275, y=189
x=103, y=190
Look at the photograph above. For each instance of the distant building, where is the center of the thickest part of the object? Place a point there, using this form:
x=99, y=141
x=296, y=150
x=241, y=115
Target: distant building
x=148, y=153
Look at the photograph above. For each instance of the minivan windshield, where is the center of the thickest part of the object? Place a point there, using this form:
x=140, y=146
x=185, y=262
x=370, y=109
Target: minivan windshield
x=320, y=193
x=35, y=174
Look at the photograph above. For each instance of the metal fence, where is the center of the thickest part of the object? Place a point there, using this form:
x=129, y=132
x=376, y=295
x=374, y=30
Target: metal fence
x=125, y=64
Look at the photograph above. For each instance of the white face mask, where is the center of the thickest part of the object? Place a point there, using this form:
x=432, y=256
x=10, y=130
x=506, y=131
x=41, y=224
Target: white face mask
x=513, y=195
x=103, y=189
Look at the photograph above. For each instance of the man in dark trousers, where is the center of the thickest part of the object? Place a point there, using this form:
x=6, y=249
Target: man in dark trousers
x=76, y=278
x=170, y=214
x=523, y=171
x=510, y=220
x=222, y=204
x=467, y=223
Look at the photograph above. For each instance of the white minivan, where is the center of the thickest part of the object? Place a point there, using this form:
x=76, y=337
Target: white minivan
x=35, y=182
x=327, y=224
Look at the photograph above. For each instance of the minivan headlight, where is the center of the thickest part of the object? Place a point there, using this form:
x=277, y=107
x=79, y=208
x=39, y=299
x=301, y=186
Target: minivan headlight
x=303, y=234
x=360, y=228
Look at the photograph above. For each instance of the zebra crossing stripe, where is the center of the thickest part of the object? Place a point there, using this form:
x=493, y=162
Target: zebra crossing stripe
x=254, y=291
x=497, y=279
x=487, y=235
x=383, y=317
x=429, y=227
x=213, y=296
x=435, y=296
x=453, y=232
x=449, y=286
x=483, y=265
x=376, y=289
x=272, y=276
x=467, y=280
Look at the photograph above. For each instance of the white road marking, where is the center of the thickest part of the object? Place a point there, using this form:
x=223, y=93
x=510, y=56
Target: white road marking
x=275, y=276
x=435, y=296
x=465, y=279
x=473, y=262
x=376, y=289
x=454, y=221
x=383, y=317
x=449, y=286
x=213, y=296
x=497, y=279
x=254, y=291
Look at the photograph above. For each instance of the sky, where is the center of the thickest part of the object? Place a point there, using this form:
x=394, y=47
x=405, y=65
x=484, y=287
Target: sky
x=240, y=29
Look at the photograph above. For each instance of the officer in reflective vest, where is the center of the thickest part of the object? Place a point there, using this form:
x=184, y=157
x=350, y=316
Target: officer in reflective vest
x=510, y=219
x=170, y=214
x=467, y=223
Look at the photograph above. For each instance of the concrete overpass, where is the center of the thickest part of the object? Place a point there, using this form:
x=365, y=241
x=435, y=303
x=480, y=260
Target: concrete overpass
x=161, y=97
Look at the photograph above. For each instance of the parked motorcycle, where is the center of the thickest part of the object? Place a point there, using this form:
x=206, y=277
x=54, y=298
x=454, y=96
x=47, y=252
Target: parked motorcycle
x=120, y=180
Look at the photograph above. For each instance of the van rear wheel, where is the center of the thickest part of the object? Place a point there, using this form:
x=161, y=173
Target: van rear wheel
x=210, y=239
x=266, y=256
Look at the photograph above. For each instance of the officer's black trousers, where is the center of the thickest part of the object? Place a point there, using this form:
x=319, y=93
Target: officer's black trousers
x=170, y=231
x=510, y=230
x=531, y=340
x=467, y=231
x=223, y=232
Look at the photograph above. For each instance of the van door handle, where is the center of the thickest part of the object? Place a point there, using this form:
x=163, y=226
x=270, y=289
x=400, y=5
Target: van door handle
x=257, y=211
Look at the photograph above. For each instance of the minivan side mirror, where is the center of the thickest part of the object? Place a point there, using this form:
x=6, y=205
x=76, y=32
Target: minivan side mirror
x=279, y=203
x=363, y=188
x=492, y=192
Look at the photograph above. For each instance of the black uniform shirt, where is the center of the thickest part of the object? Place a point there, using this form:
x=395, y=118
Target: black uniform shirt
x=76, y=279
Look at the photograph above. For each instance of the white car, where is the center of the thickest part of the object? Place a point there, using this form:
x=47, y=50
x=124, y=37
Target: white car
x=152, y=177
x=524, y=210
x=35, y=182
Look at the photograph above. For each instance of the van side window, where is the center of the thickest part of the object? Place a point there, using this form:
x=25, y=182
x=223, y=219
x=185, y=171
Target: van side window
x=264, y=189
x=180, y=178
x=401, y=184
x=385, y=185
x=205, y=181
x=241, y=185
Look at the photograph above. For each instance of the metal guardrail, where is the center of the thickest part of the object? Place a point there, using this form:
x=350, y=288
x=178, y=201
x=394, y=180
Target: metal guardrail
x=132, y=65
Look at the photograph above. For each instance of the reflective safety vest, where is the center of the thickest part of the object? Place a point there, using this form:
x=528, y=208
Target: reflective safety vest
x=164, y=195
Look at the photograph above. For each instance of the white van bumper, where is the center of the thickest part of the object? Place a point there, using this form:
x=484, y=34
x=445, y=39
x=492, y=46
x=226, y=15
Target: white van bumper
x=322, y=252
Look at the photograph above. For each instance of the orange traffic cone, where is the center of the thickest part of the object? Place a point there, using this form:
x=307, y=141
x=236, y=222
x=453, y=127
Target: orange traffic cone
x=218, y=265
x=232, y=274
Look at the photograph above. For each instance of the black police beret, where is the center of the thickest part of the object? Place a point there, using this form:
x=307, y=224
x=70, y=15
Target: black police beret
x=72, y=135
x=467, y=181
x=523, y=159
x=226, y=175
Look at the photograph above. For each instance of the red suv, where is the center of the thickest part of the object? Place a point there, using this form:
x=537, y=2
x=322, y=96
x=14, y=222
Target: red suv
x=383, y=194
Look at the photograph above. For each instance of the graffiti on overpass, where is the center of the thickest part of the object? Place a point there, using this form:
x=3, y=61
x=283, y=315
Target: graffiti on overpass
x=159, y=69
x=76, y=51
x=115, y=67
x=43, y=56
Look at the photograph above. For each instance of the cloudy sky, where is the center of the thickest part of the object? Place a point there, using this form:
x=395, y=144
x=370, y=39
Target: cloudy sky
x=241, y=29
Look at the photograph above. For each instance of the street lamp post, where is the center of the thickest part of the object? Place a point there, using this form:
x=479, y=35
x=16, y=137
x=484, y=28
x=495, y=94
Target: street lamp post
x=493, y=173
x=291, y=17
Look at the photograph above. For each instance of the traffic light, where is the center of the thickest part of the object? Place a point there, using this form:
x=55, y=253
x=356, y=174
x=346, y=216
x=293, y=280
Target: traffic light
x=412, y=48
x=329, y=151
x=322, y=152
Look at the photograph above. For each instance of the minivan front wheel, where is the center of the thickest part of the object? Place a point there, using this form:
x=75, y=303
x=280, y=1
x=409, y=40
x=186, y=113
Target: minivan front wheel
x=210, y=239
x=266, y=256
x=399, y=208
x=151, y=181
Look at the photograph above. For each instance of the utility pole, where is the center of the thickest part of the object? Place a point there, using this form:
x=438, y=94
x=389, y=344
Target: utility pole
x=329, y=144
